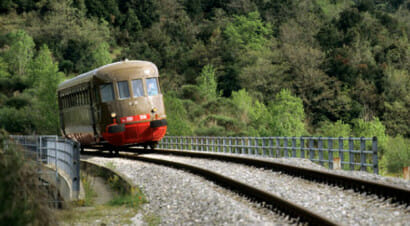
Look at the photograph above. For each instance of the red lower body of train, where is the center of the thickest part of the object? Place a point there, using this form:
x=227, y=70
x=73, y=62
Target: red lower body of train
x=130, y=131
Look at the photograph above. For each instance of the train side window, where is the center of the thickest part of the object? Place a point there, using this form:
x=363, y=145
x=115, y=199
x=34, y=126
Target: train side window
x=137, y=88
x=107, y=92
x=152, y=86
x=87, y=96
x=123, y=90
x=78, y=99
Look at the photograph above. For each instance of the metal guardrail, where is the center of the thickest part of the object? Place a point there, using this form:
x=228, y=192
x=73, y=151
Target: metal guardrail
x=354, y=153
x=61, y=153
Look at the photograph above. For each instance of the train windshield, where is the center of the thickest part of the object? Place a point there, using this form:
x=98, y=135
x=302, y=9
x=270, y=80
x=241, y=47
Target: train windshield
x=152, y=86
x=123, y=90
x=107, y=92
x=137, y=88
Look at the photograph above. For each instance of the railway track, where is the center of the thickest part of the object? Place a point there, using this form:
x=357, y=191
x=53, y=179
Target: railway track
x=271, y=201
x=395, y=193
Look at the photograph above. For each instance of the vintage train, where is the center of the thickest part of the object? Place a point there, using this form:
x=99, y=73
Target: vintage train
x=117, y=104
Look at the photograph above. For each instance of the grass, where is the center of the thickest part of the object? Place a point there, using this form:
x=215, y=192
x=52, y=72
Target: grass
x=90, y=194
x=97, y=214
x=119, y=210
x=152, y=219
x=130, y=200
x=110, y=165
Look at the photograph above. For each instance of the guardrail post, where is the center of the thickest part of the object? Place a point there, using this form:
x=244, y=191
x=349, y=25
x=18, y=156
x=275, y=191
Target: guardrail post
x=57, y=177
x=294, y=147
x=311, y=151
x=302, y=147
x=341, y=151
x=320, y=144
x=375, y=159
x=362, y=154
x=277, y=147
x=213, y=144
x=330, y=150
x=218, y=144
x=285, y=147
x=76, y=168
x=229, y=148
x=263, y=147
x=243, y=146
x=235, y=145
x=250, y=149
x=351, y=154
x=271, y=146
x=166, y=143
x=256, y=151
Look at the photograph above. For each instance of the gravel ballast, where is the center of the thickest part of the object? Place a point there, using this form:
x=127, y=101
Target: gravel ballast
x=180, y=198
x=330, y=201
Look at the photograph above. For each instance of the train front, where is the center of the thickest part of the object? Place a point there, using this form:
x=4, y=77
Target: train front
x=136, y=111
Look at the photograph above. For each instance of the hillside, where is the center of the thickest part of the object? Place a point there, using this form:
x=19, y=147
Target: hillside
x=244, y=67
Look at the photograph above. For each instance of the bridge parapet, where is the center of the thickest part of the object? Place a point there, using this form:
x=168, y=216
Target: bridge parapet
x=353, y=153
x=60, y=160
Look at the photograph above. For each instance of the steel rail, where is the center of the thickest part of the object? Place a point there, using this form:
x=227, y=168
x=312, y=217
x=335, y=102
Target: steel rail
x=271, y=201
x=396, y=193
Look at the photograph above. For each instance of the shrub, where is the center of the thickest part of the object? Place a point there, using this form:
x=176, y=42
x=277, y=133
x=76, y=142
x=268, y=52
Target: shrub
x=287, y=115
x=374, y=128
x=336, y=129
x=16, y=121
x=23, y=200
x=17, y=102
x=397, y=154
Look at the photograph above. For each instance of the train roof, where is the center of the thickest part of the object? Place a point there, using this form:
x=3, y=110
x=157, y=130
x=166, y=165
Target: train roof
x=87, y=76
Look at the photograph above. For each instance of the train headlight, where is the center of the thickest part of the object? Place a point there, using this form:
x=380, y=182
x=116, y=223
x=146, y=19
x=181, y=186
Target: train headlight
x=113, y=115
x=154, y=110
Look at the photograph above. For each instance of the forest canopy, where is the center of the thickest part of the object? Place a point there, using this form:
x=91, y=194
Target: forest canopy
x=228, y=67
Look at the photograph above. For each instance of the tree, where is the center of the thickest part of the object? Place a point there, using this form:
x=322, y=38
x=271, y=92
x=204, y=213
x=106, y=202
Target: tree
x=335, y=129
x=373, y=128
x=20, y=52
x=397, y=154
x=248, y=31
x=4, y=68
x=207, y=83
x=251, y=112
x=265, y=72
x=70, y=35
x=45, y=77
x=101, y=55
x=178, y=124
x=287, y=115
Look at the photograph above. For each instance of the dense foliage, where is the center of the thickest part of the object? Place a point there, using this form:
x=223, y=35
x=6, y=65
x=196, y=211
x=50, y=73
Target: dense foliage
x=23, y=200
x=230, y=67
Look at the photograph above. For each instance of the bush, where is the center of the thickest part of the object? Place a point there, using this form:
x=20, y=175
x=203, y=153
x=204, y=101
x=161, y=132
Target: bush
x=16, y=121
x=176, y=116
x=17, y=102
x=23, y=200
x=397, y=154
x=336, y=129
x=374, y=128
x=287, y=115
